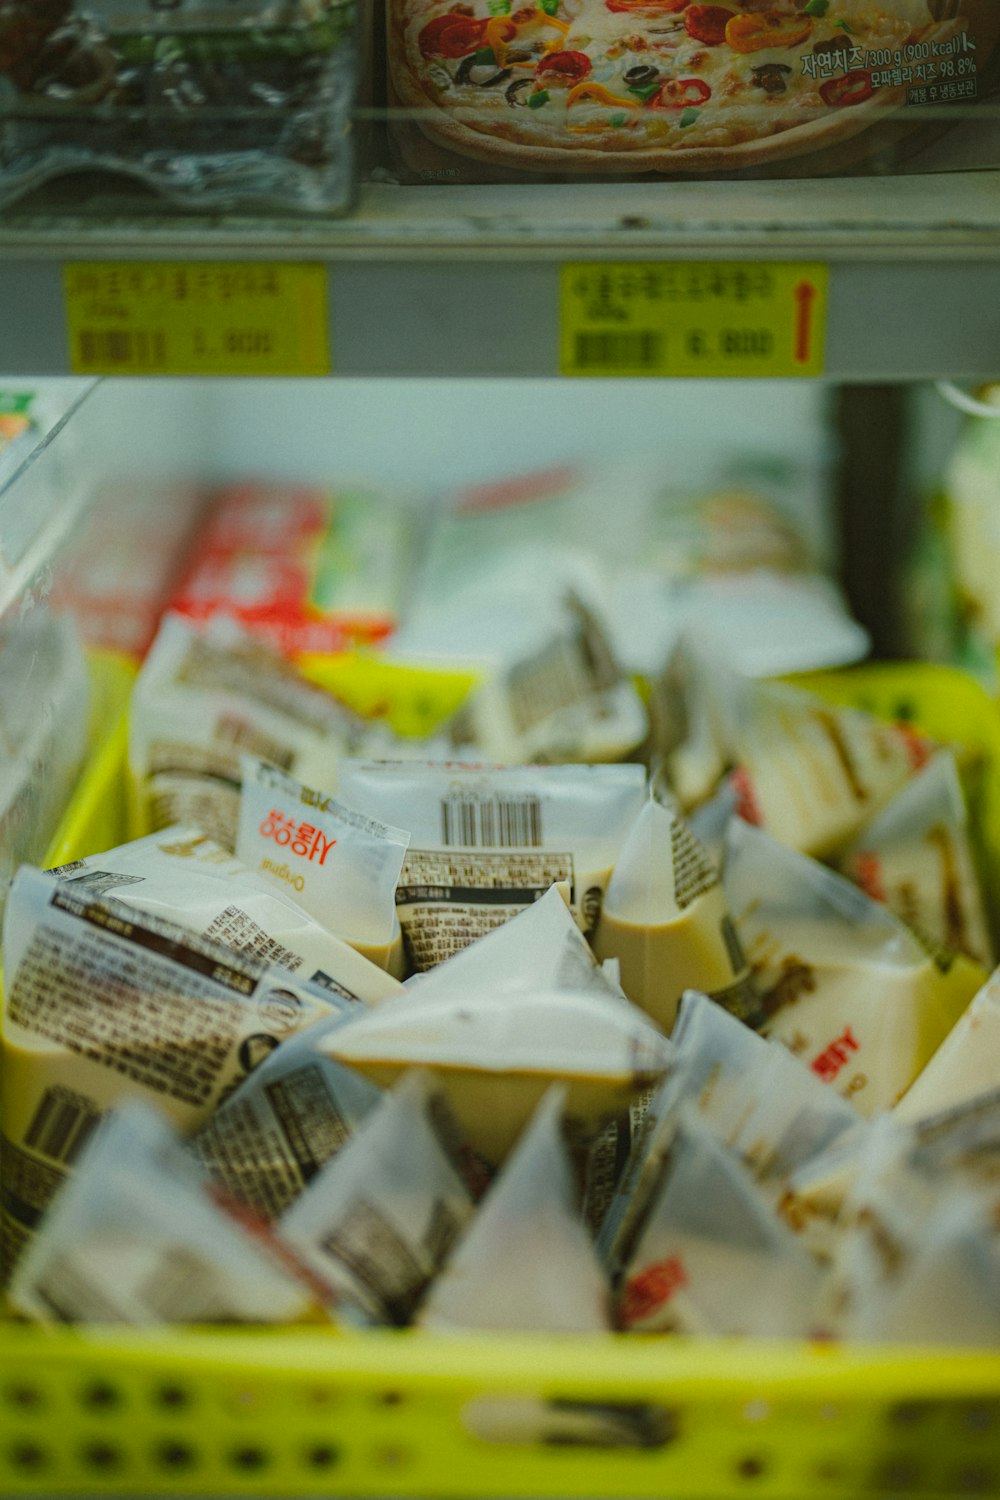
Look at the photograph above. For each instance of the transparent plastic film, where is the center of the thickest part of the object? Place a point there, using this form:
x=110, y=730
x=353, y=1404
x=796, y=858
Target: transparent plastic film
x=136, y=1236
x=342, y=865
x=205, y=697
x=755, y=1097
x=916, y=1256
x=184, y=877
x=712, y=1256
x=379, y=1218
x=271, y=1137
x=539, y=948
x=487, y=841
x=526, y=1261
x=104, y=1004
x=916, y=855
x=664, y=918
x=495, y=1053
x=846, y=985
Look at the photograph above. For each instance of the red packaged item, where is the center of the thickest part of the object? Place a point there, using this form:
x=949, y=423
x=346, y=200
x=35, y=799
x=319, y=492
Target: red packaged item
x=311, y=570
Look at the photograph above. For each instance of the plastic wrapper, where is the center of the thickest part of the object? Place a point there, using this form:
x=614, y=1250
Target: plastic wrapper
x=965, y=1064
x=184, y=877
x=269, y=1139
x=811, y=773
x=917, y=1257
x=342, y=866
x=664, y=919
x=550, y=688
x=526, y=1261
x=379, y=1219
x=311, y=570
x=206, y=697
x=755, y=1097
x=487, y=841
x=846, y=985
x=215, y=104
x=495, y=1052
x=627, y=91
x=137, y=1237
x=539, y=948
x=712, y=1256
x=916, y=855
x=104, y=1004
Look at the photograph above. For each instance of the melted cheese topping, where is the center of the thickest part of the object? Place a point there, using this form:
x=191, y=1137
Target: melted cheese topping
x=722, y=96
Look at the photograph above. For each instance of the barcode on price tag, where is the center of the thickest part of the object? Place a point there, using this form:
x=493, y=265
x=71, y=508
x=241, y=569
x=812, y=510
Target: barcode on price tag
x=692, y=318
x=196, y=318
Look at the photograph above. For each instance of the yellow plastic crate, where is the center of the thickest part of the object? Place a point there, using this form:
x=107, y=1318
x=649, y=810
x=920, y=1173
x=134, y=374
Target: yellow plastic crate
x=318, y=1412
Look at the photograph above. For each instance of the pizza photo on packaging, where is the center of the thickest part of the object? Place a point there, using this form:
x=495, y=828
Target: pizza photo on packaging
x=670, y=87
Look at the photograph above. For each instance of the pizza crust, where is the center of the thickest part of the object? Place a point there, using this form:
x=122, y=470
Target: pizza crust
x=604, y=153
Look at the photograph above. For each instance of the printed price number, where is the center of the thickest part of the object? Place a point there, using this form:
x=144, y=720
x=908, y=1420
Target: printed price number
x=188, y=318
x=693, y=319
x=730, y=343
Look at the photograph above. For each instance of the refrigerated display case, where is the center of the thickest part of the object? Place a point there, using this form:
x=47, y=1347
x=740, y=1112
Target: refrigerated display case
x=447, y=358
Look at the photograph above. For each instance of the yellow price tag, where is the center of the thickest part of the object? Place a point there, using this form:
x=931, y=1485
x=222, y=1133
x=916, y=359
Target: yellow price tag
x=196, y=318
x=691, y=318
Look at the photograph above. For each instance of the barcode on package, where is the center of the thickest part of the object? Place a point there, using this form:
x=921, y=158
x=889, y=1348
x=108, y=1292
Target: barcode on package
x=62, y=1125
x=131, y=349
x=637, y=349
x=494, y=823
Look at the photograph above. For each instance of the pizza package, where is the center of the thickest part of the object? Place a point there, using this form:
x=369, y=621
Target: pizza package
x=497, y=90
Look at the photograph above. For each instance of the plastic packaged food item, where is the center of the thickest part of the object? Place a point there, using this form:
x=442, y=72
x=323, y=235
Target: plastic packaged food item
x=309, y=569
x=587, y=90
x=486, y=841
x=964, y=1065
x=136, y=1236
x=810, y=772
x=216, y=104
x=708, y=1238
x=378, y=1220
x=916, y=855
x=342, y=866
x=268, y=1140
x=495, y=1053
x=526, y=1260
x=917, y=1259
x=550, y=688
x=846, y=984
x=539, y=948
x=206, y=697
x=184, y=877
x=103, y=1004
x=664, y=919
x=757, y=1099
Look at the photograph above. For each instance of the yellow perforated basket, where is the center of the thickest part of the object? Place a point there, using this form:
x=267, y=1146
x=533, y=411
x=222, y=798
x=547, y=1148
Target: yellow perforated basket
x=318, y=1412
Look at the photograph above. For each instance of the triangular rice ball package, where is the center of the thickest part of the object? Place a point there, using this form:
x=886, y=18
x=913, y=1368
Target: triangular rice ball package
x=664, y=918
x=526, y=1261
x=847, y=986
x=713, y=1257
